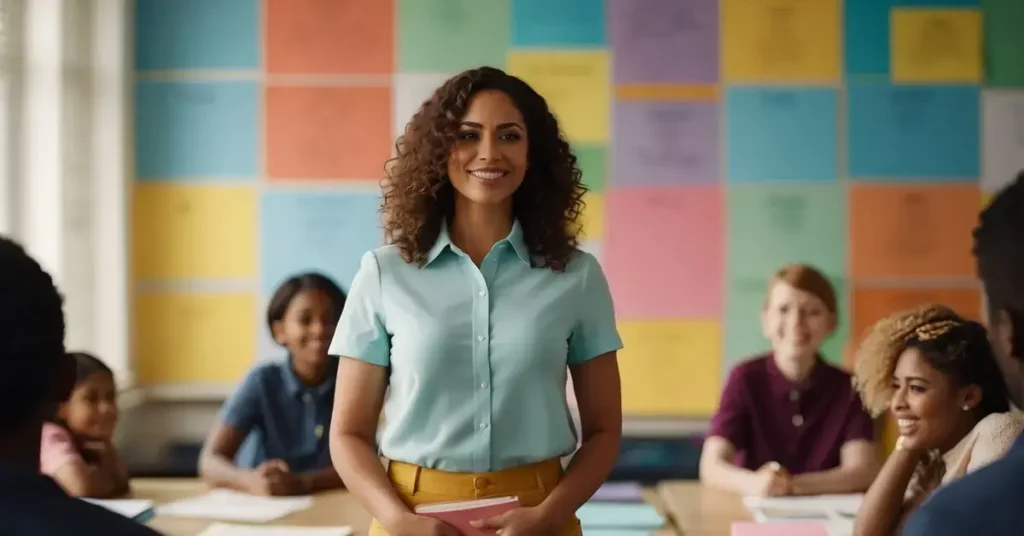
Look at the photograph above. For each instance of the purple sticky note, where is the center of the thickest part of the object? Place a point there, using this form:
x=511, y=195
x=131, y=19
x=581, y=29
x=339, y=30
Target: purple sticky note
x=664, y=41
x=619, y=492
x=662, y=142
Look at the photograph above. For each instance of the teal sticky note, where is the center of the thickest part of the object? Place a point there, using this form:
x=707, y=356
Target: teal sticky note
x=781, y=134
x=744, y=339
x=619, y=515
x=593, y=162
x=196, y=34
x=188, y=130
x=566, y=23
x=913, y=132
x=452, y=35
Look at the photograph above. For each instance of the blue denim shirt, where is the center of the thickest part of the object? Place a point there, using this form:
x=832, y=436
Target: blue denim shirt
x=283, y=418
x=989, y=502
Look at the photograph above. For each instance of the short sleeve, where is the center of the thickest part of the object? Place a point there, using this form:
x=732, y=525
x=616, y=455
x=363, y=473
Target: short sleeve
x=732, y=420
x=243, y=410
x=57, y=449
x=595, y=332
x=361, y=333
x=859, y=424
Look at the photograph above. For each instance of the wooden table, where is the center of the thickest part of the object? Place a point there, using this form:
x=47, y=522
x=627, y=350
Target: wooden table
x=333, y=508
x=701, y=511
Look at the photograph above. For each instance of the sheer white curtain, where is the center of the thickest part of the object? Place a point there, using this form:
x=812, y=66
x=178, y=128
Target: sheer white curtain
x=64, y=158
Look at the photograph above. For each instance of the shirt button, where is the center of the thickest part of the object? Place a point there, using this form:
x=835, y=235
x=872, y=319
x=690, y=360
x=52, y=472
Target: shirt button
x=481, y=338
x=798, y=420
x=307, y=398
x=794, y=395
x=483, y=426
x=483, y=293
x=483, y=385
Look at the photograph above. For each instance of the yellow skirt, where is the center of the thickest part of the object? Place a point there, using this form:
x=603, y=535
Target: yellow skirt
x=531, y=483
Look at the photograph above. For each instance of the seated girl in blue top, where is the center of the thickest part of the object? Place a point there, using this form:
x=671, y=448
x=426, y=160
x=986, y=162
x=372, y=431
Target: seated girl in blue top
x=282, y=410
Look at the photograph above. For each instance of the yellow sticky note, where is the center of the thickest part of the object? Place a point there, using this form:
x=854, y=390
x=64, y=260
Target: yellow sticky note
x=670, y=368
x=576, y=86
x=592, y=218
x=787, y=41
x=194, y=338
x=189, y=231
x=936, y=45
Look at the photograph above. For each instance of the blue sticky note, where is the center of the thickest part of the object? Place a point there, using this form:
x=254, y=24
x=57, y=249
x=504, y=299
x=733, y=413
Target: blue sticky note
x=867, y=31
x=619, y=515
x=781, y=134
x=188, y=130
x=574, y=23
x=913, y=132
x=197, y=34
x=316, y=230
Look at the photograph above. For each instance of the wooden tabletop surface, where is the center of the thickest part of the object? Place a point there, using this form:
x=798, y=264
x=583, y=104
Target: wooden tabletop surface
x=701, y=511
x=333, y=508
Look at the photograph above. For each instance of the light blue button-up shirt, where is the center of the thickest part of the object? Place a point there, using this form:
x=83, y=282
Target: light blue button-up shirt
x=478, y=356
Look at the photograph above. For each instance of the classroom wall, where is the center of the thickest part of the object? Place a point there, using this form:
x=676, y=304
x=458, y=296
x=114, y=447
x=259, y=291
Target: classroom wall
x=720, y=139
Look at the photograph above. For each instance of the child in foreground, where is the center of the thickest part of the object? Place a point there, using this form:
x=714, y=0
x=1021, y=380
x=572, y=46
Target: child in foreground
x=282, y=410
x=77, y=447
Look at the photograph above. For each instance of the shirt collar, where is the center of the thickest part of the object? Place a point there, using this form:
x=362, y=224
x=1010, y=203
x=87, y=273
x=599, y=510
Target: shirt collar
x=295, y=387
x=514, y=238
x=782, y=386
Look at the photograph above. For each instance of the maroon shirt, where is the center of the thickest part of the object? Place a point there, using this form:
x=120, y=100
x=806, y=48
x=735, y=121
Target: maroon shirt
x=802, y=426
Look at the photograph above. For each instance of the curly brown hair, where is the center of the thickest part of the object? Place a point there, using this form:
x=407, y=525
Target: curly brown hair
x=949, y=343
x=418, y=196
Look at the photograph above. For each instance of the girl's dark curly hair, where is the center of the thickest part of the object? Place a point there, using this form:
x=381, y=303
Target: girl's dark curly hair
x=418, y=196
x=951, y=344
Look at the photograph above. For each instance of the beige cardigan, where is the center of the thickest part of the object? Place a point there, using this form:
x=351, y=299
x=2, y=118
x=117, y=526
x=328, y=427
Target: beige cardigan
x=989, y=441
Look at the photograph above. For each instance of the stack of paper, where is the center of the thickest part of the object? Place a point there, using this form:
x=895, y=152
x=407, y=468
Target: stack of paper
x=227, y=505
x=641, y=517
x=224, y=529
x=822, y=508
x=138, y=509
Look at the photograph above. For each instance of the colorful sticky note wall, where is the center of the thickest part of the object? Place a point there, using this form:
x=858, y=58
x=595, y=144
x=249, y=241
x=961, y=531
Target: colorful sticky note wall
x=720, y=139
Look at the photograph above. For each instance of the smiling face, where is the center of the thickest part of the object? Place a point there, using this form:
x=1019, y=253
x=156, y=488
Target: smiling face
x=796, y=322
x=927, y=405
x=488, y=161
x=91, y=411
x=307, y=327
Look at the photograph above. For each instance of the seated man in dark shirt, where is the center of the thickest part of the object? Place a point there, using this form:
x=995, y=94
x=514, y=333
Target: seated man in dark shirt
x=990, y=501
x=35, y=374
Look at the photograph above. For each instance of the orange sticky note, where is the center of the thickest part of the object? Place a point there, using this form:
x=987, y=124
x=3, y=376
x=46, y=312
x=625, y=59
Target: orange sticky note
x=330, y=36
x=670, y=367
x=194, y=338
x=328, y=132
x=913, y=231
x=873, y=304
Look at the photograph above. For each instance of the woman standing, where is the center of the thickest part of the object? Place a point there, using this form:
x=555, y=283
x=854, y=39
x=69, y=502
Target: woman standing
x=469, y=319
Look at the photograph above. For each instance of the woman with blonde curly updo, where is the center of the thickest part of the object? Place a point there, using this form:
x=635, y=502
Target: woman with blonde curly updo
x=469, y=320
x=936, y=373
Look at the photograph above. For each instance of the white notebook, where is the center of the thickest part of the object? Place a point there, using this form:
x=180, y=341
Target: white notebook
x=226, y=529
x=228, y=505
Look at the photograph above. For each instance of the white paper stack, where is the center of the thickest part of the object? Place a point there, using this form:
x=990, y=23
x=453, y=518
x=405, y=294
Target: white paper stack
x=835, y=512
x=130, y=508
x=228, y=505
x=224, y=529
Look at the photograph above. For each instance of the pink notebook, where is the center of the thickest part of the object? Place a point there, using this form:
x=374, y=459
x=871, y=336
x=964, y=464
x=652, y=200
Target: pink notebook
x=459, y=514
x=779, y=529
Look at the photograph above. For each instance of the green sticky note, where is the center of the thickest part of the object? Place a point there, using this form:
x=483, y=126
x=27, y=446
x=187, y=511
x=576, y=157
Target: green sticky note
x=1004, y=42
x=774, y=225
x=592, y=161
x=452, y=35
x=743, y=336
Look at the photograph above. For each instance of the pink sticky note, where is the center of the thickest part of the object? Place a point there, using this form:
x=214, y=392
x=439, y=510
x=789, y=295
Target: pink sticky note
x=779, y=529
x=663, y=251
